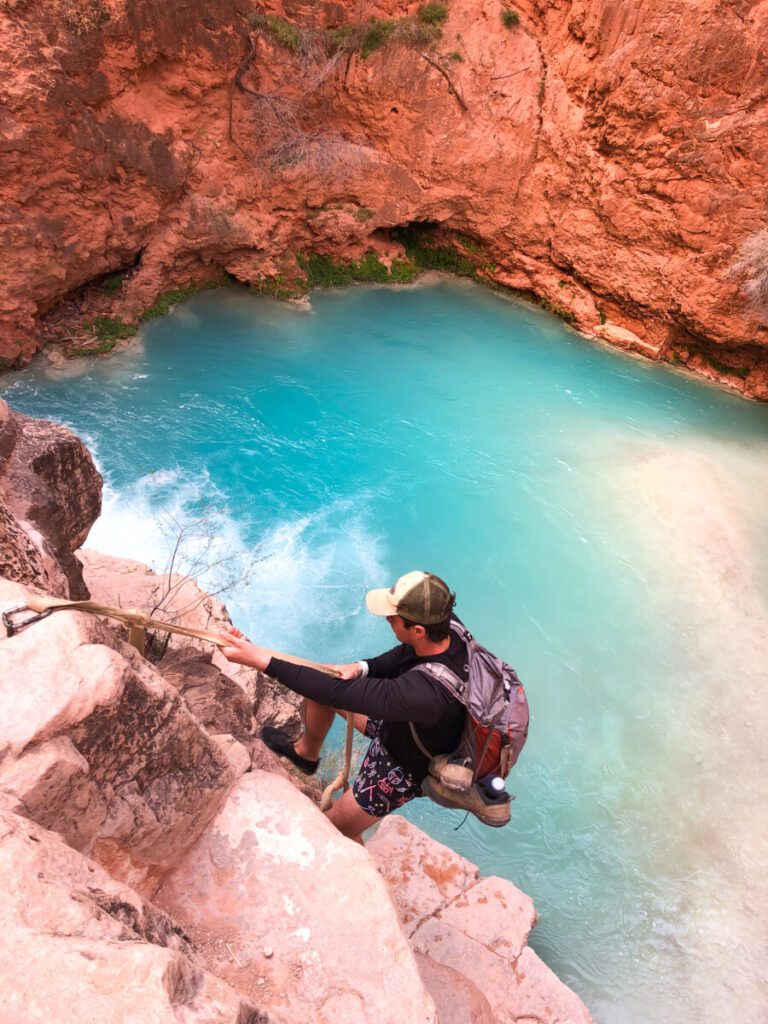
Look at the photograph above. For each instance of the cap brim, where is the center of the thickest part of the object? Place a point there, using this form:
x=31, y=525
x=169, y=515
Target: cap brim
x=381, y=602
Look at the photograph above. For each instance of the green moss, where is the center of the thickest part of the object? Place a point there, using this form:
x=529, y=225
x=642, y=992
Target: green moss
x=362, y=214
x=562, y=311
x=426, y=255
x=279, y=287
x=509, y=17
x=378, y=33
x=367, y=38
x=455, y=57
x=279, y=30
x=433, y=13
x=726, y=370
x=403, y=272
x=163, y=303
x=111, y=285
x=468, y=243
x=109, y=329
x=324, y=272
x=93, y=350
x=601, y=314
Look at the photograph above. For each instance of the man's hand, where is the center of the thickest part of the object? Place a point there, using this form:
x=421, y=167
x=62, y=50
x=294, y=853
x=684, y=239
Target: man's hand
x=347, y=672
x=242, y=651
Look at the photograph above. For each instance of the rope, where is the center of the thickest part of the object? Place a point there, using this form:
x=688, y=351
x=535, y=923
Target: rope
x=342, y=779
x=138, y=621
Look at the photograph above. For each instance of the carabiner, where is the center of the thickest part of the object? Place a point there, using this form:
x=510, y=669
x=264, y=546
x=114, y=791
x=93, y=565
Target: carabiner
x=13, y=627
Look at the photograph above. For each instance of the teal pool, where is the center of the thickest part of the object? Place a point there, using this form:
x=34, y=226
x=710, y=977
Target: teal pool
x=603, y=521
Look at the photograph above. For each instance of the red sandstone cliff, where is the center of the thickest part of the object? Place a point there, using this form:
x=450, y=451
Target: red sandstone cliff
x=609, y=156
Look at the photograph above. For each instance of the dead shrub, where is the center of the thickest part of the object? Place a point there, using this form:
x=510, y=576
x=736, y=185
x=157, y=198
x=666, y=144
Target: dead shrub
x=80, y=16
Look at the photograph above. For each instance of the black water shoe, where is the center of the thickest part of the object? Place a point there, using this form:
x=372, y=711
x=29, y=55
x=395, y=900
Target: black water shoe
x=281, y=743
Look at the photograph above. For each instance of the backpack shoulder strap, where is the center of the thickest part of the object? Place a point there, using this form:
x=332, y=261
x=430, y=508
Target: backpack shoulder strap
x=418, y=742
x=445, y=676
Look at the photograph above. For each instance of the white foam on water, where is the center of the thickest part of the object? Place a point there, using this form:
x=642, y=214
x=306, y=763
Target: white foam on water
x=298, y=586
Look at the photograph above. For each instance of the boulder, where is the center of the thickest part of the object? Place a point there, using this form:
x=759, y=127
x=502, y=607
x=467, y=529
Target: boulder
x=217, y=701
x=97, y=746
x=51, y=488
x=307, y=917
x=476, y=928
x=75, y=945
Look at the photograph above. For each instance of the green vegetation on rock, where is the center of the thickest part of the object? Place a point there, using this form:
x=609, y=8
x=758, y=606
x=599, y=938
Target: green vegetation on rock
x=280, y=31
x=279, y=287
x=324, y=272
x=110, y=329
x=433, y=13
x=92, y=350
x=509, y=17
x=112, y=284
x=562, y=311
x=163, y=303
x=425, y=253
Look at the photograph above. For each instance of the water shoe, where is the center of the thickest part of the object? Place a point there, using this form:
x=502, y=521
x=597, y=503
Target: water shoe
x=280, y=742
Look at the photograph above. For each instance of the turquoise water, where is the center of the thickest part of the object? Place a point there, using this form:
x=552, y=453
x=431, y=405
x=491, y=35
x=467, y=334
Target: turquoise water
x=603, y=521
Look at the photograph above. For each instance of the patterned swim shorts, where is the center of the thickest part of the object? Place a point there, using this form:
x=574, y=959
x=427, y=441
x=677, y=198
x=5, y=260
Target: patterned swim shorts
x=382, y=785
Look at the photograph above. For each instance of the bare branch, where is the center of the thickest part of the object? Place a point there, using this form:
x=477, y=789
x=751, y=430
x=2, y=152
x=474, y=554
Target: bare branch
x=447, y=77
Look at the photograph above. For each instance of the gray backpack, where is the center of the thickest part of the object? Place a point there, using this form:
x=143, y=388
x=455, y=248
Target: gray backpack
x=495, y=731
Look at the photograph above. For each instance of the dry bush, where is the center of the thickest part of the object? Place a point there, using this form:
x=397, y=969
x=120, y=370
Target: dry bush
x=80, y=16
x=750, y=269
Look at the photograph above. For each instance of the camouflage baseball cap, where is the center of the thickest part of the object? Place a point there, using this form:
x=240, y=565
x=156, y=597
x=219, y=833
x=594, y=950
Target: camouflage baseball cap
x=418, y=596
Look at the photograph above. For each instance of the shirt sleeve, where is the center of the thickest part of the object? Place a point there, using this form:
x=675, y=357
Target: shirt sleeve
x=390, y=664
x=408, y=698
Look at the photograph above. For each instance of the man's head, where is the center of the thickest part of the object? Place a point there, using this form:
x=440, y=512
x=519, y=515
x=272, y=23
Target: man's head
x=418, y=599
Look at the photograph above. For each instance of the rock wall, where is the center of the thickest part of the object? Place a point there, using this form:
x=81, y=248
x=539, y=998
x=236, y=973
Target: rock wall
x=594, y=154
x=50, y=497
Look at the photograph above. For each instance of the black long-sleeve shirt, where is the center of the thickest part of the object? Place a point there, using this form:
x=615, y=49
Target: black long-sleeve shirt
x=396, y=692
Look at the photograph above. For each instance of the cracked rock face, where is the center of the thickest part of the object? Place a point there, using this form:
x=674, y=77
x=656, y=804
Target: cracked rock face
x=50, y=496
x=73, y=943
x=460, y=924
x=593, y=154
x=97, y=747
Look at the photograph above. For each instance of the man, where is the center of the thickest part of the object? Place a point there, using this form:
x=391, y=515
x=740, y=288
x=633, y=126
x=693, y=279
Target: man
x=384, y=694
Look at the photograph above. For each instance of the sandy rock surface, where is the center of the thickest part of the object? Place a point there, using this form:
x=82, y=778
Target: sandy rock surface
x=75, y=945
x=272, y=873
x=473, y=928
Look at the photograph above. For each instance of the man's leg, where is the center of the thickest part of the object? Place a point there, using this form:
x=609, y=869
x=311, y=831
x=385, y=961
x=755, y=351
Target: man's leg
x=317, y=722
x=349, y=818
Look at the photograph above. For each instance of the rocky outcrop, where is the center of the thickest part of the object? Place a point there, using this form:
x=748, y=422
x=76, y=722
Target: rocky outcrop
x=50, y=496
x=592, y=155
x=324, y=937
x=471, y=927
x=98, y=748
x=77, y=945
